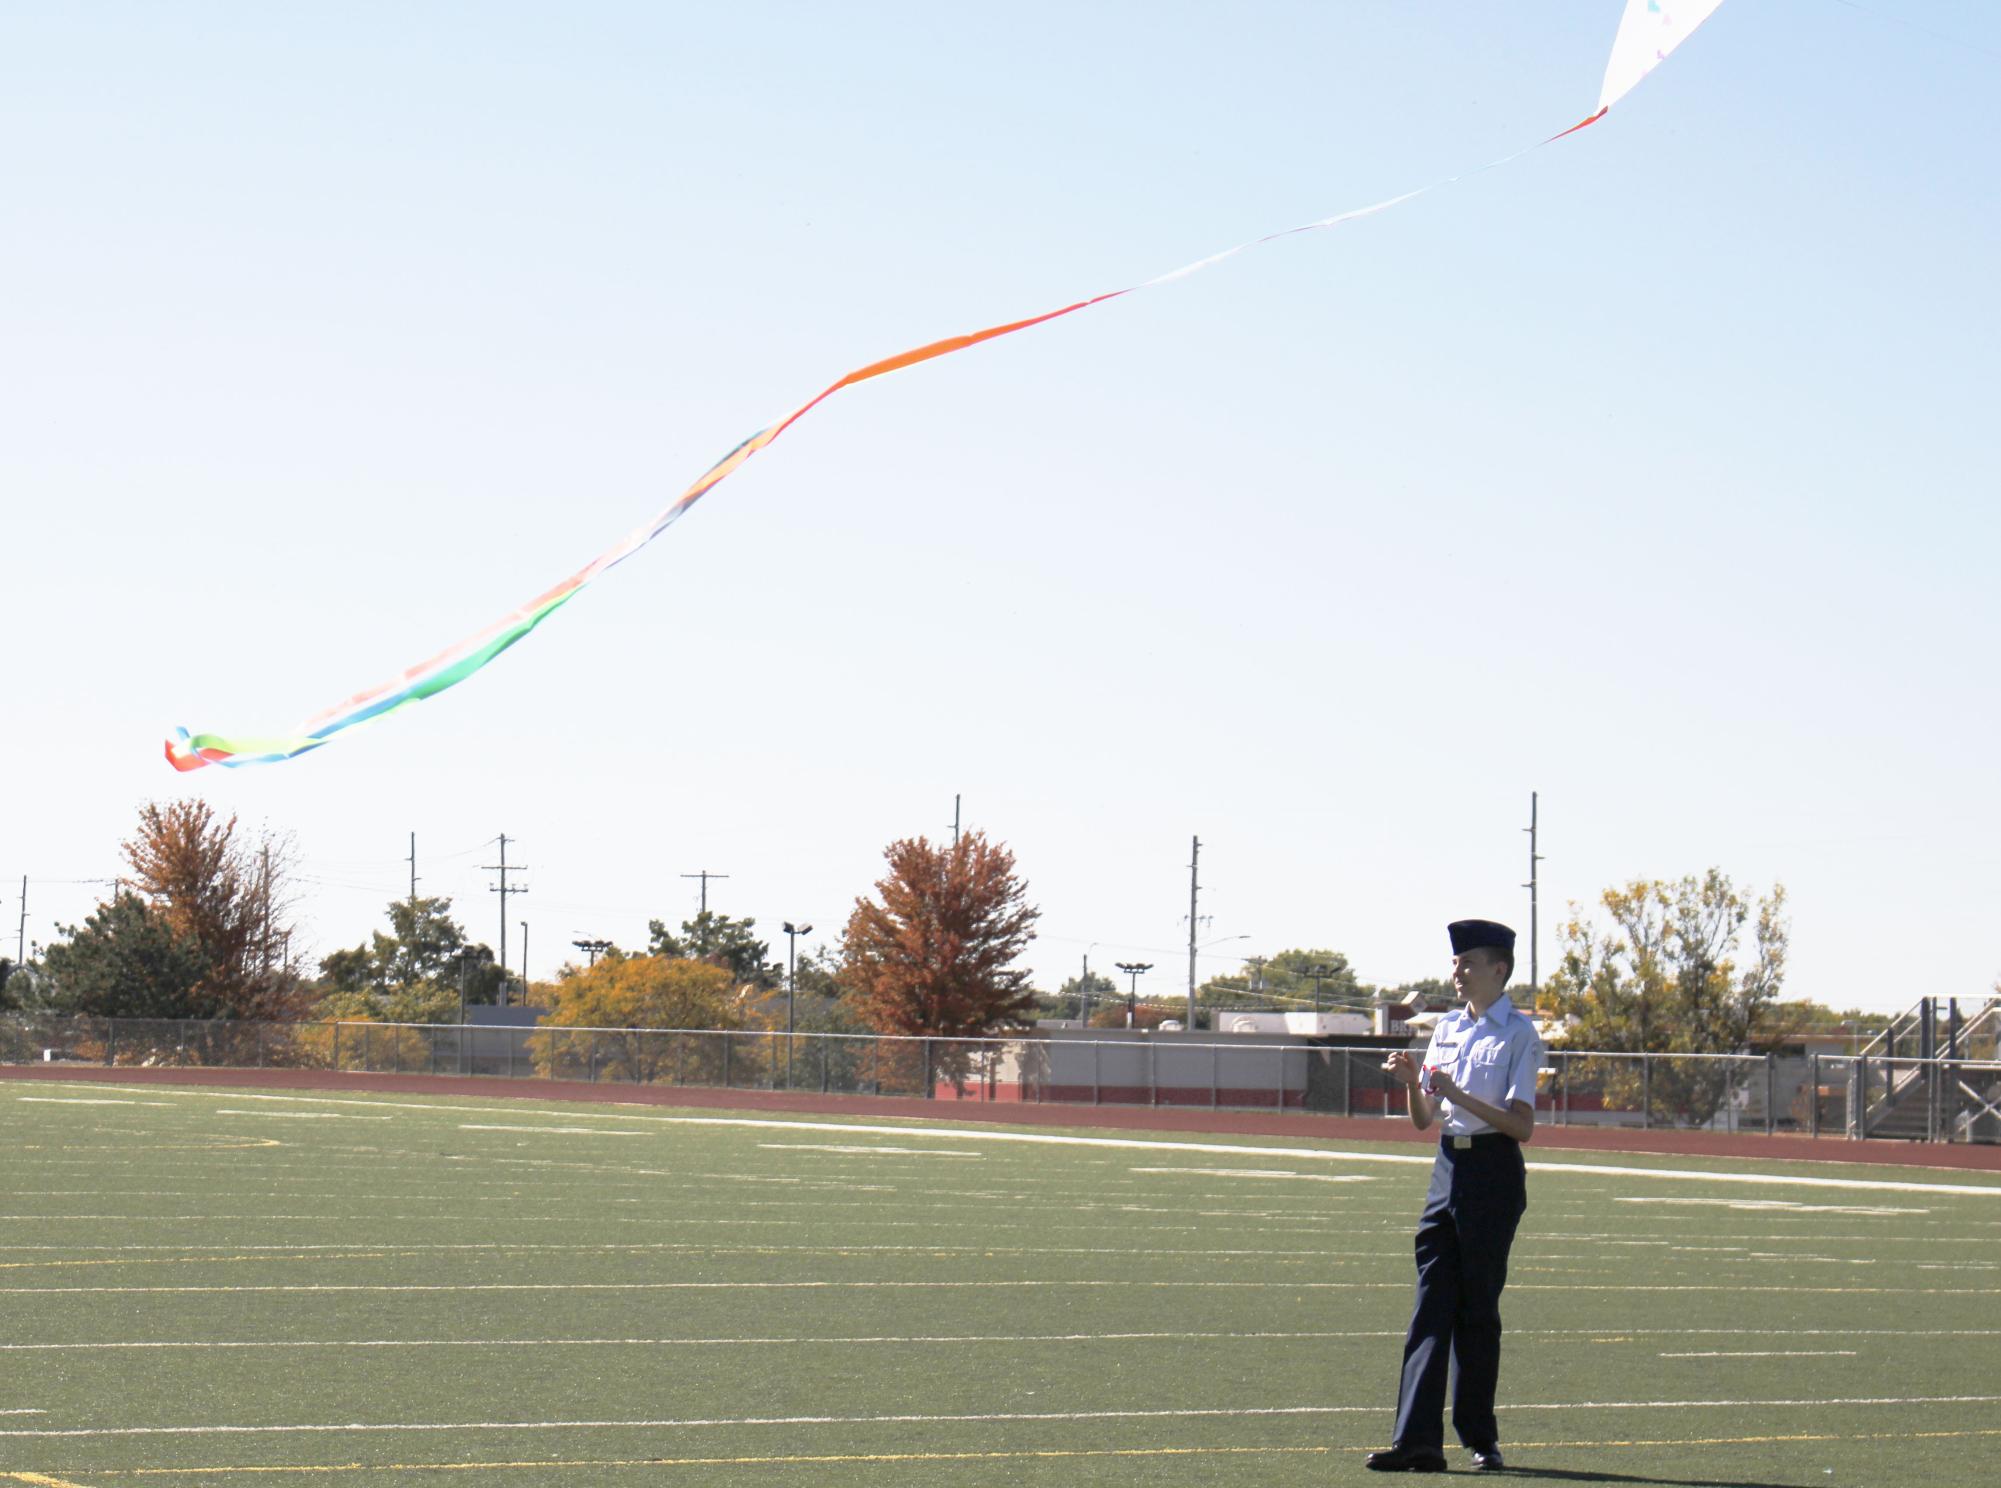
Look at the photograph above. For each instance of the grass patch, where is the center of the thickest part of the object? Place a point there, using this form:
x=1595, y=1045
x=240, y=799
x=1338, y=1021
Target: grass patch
x=225, y=1286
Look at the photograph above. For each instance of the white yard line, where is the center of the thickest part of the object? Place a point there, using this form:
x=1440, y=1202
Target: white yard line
x=306, y=1115
x=1243, y=1412
x=1053, y=1283
x=855, y=1151
x=1264, y=1173
x=957, y=1339
x=1321, y=1335
x=1221, y=1149
x=560, y=1131
x=1766, y=1354
x=1780, y=1206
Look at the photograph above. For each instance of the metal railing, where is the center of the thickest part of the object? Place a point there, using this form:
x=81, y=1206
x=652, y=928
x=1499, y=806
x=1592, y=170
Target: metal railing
x=1854, y=1096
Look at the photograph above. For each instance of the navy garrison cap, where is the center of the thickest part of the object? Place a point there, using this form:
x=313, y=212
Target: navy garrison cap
x=1474, y=935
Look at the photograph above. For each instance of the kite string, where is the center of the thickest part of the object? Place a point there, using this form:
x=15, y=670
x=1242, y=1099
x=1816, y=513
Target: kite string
x=428, y=677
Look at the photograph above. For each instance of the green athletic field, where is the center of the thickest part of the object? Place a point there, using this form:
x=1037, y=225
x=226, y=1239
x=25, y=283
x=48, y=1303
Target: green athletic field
x=202, y=1286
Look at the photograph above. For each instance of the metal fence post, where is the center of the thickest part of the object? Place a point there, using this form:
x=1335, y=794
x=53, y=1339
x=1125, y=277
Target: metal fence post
x=368, y=1048
x=1858, y=1100
x=726, y=1059
x=1646, y=1091
x=1347, y=1082
x=1097, y=1087
x=1152, y=1072
x=1278, y=1090
x=826, y=1046
x=1771, y=1092
x=1215, y=1077
x=927, y=1069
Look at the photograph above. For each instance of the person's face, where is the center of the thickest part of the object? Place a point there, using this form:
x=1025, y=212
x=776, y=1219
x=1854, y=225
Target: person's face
x=1476, y=976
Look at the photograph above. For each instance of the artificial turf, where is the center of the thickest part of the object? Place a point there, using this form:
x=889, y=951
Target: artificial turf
x=423, y=1290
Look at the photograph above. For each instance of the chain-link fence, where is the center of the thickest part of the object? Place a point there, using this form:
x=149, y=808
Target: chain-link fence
x=1689, y=1092
x=1813, y=1094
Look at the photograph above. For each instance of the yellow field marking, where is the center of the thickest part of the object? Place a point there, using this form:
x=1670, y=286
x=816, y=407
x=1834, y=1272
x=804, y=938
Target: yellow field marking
x=801, y=1459
x=39, y=1478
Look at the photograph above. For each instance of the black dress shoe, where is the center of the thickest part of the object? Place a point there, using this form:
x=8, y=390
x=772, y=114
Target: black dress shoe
x=1487, y=1459
x=1399, y=1459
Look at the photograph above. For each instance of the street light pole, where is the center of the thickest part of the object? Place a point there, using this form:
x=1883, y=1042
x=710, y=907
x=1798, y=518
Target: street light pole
x=1133, y=970
x=792, y=934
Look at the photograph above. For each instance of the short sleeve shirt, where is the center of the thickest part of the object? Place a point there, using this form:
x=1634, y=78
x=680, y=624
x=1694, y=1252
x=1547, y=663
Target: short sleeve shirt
x=1494, y=1058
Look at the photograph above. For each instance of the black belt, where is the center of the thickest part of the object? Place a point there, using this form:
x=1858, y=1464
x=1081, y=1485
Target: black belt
x=1478, y=1139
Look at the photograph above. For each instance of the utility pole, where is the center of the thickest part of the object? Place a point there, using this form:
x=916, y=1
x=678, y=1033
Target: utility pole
x=1319, y=975
x=413, y=873
x=524, y=963
x=265, y=884
x=1084, y=994
x=1194, y=892
x=1257, y=976
x=503, y=889
x=21, y=943
x=955, y=821
x=705, y=876
x=1535, y=981
x=592, y=948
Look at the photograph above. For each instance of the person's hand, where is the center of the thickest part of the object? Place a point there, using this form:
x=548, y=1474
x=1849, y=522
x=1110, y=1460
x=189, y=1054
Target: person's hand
x=1443, y=1086
x=1402, y=1066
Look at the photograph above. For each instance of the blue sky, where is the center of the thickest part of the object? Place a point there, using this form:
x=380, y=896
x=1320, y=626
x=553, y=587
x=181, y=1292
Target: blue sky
x=1652, y=472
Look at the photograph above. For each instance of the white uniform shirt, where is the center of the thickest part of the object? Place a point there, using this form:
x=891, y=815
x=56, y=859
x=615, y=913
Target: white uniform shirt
x=1493, y=1058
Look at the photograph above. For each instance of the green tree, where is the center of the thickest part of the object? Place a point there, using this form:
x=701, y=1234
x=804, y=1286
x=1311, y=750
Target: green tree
x=720, y=941
x=1296, y=980
x=1672, y=974
x=1098, y=991
x=819, y=974
x=128, y=960
x=413, y=972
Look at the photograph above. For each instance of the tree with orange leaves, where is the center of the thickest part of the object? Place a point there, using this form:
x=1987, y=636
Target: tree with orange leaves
x=933, y=952
x=226, y=897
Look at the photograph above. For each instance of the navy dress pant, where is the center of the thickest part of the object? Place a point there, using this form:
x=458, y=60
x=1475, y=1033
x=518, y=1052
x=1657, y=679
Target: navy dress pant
x=1477, y=1198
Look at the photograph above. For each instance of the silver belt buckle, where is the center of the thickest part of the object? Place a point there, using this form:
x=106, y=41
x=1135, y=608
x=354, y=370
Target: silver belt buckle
x=1460, y=1144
